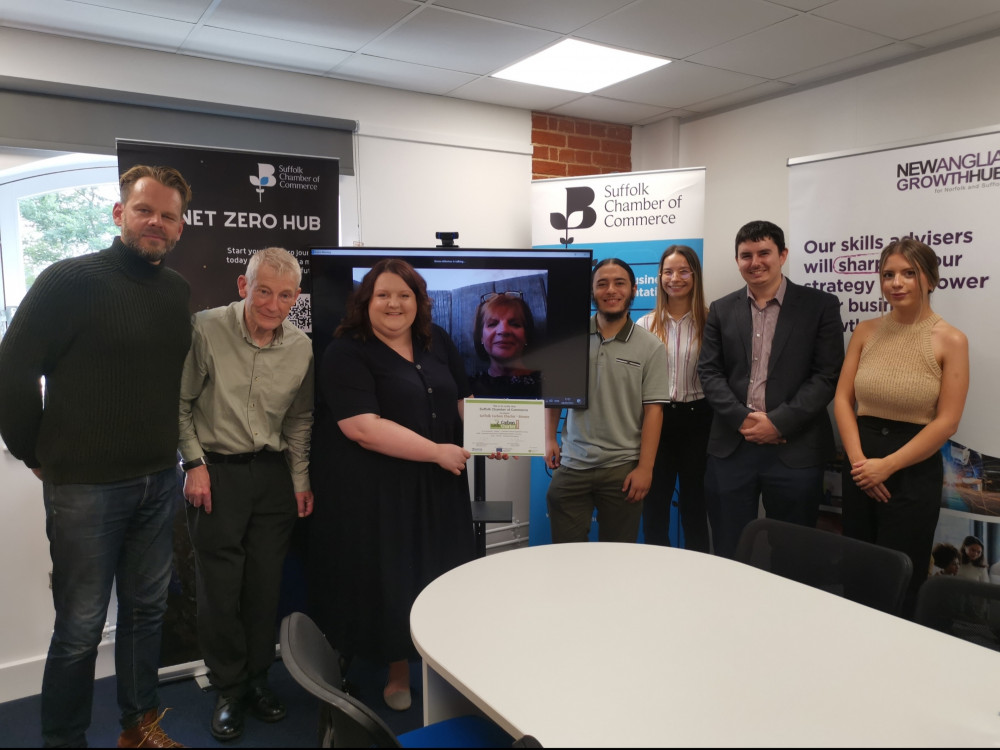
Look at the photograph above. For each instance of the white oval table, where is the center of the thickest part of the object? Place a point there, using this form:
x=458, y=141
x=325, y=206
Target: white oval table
x=627, y=645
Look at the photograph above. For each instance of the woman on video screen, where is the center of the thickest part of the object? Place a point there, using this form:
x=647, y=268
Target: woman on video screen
x=504, y=329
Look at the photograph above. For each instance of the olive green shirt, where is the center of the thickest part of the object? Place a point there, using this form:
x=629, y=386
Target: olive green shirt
x=237, y=397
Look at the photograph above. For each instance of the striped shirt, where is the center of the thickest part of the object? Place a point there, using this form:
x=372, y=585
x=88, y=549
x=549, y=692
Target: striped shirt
x=683, y=348
x=765, y=320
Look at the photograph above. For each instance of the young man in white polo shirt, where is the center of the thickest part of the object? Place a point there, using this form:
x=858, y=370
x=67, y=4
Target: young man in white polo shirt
x=608, y=449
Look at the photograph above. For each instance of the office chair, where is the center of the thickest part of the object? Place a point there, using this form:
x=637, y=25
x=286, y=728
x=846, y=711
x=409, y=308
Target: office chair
x=344, y=721
x=860, y=571
x=966, y=609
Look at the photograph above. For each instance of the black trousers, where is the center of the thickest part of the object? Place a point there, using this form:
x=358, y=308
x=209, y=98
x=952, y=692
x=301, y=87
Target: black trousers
x=907, y=522
x=240, y=548
x=737, y=484
x=681, y=455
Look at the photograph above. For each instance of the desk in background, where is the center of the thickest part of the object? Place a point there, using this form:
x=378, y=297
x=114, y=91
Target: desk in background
x=631, y=645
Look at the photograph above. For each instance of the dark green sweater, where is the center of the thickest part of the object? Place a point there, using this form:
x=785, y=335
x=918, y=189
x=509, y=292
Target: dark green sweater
x=109, y=332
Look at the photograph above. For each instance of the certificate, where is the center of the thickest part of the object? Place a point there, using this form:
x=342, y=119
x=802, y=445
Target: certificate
x=503, y=428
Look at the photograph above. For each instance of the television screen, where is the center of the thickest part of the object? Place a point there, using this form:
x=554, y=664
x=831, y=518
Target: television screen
x=520, y=318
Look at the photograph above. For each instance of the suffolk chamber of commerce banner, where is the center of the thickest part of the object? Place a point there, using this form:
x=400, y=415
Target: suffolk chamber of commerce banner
x=633, y=216
x=243, y=202
x=845, y=208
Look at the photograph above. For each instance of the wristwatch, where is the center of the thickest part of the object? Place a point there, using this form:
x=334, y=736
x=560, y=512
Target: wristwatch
x=188, y=465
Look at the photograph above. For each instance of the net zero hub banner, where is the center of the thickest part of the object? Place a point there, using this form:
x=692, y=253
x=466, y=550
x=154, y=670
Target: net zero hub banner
x=243, y=202
x=845, y=208
x=634, y=216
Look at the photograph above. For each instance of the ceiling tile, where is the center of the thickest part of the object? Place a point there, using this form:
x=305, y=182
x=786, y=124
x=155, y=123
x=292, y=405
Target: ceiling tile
x=456, y=41
x=678, y=113
x=854, y=63
x=401, y=75
x=608, y=110
x=803, y=5
x=678, y=84
x=722, y=50
x=790, y=47
x=554, y=15
x=344, y=24
x=94, y=22
x=178, y=10
x=235, y=46
x=902, y=19
x=679, y=28
x=514, y=94
x=760, y=91
x=980, y=27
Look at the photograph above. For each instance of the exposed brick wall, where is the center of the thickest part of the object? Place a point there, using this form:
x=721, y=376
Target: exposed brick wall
x=568, y=147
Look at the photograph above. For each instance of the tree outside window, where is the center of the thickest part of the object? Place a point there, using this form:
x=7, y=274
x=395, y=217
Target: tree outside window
x=64, y=224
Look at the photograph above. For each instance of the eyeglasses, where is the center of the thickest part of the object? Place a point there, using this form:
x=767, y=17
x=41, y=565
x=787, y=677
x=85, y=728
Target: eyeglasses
x=493, y=295
x=685, y=273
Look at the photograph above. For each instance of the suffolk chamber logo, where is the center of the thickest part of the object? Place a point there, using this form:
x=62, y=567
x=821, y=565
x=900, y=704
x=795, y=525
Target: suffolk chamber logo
x=578, y=200
x=263, y=179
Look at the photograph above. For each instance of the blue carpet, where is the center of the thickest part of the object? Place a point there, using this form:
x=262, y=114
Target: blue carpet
x=191, y=711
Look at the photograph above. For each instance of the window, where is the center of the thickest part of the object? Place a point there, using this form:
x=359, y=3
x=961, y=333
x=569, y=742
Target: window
x=52, y=209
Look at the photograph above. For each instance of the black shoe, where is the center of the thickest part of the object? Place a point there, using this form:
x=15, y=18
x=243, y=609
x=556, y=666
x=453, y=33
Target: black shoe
x=264, y=705
x=227, y=720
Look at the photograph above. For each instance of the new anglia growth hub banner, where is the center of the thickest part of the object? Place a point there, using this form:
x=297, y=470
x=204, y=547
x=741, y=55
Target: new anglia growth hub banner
x=846, y=208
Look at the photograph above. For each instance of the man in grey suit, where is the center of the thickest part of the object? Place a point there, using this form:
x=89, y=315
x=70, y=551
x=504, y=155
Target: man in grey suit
x=770, y=357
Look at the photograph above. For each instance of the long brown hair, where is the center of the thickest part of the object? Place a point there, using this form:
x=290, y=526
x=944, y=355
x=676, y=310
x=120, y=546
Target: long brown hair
x=698, y=310
x=358, y=325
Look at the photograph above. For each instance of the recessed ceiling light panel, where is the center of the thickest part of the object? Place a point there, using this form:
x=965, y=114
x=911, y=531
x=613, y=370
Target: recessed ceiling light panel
x=579, y=66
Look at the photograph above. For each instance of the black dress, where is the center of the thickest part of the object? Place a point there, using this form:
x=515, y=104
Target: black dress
x=384, y=527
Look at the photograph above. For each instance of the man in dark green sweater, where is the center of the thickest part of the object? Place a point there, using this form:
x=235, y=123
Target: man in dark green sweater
x=107, y=334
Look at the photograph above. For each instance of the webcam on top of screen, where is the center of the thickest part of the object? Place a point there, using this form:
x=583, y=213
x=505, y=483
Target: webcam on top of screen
x=447, y=238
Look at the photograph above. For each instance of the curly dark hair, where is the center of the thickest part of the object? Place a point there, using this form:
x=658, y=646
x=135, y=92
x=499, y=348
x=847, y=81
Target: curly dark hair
x=358, y=325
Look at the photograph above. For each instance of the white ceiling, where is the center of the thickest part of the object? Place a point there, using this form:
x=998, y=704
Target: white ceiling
x=725, y=53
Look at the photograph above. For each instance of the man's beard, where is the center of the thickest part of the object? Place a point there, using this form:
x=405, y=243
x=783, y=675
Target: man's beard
x=153, y=255
x=614, y=316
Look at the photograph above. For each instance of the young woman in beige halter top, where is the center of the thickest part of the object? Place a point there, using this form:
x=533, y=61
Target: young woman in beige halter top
x=908, y=374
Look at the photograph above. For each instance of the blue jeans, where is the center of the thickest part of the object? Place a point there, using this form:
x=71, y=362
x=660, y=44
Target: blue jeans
x=99, y=534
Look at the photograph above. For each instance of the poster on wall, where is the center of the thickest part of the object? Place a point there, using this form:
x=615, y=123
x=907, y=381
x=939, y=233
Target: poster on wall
x=633, y=216
x=243, y=201
x=845, y=208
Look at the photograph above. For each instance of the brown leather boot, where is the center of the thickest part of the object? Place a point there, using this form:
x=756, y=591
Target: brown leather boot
x=147, y=733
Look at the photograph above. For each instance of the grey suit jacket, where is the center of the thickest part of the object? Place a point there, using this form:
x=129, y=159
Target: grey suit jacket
x=806, y=354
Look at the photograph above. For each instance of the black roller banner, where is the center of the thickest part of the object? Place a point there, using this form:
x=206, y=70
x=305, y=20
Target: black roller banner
x=243, y=201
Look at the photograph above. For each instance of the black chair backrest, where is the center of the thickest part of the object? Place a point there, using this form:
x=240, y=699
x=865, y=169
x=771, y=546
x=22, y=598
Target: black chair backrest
x=315, y=665
x=862, y=572
x=966, y=609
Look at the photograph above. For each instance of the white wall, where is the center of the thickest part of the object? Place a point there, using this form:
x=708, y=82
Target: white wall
x=745, y=151
x=423, y=164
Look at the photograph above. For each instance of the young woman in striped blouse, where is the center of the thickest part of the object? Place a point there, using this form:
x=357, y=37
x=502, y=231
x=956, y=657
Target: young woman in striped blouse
x=678, y=321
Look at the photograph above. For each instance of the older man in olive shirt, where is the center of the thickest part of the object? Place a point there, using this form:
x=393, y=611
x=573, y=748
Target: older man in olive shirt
x=245, y=422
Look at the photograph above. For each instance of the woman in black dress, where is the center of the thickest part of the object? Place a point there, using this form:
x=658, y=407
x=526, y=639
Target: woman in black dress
x=389, y=466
